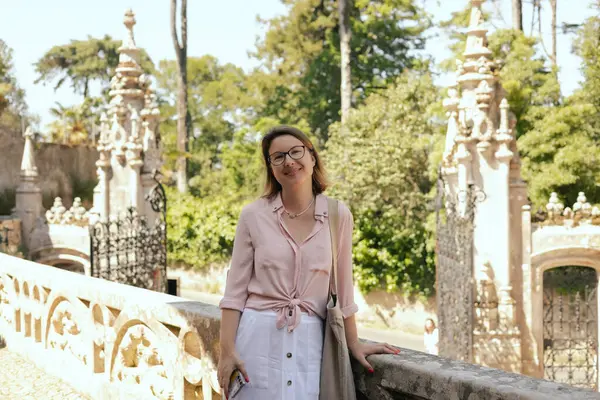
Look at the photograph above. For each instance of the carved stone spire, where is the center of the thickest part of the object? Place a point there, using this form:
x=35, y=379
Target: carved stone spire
x=129, y=54
x=476, y=34
x=128, y=145
x=29, y=195
x=28, y=167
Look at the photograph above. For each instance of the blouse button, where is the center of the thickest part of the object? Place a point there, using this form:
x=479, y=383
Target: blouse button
x=289, y=355
x=289, y=383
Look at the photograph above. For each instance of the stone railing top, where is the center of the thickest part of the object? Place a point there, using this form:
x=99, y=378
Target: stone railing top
x=119, y=341
x=416, y=375
x=163, y=307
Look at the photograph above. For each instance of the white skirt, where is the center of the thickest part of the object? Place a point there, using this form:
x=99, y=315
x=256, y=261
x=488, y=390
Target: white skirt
x=281, y=365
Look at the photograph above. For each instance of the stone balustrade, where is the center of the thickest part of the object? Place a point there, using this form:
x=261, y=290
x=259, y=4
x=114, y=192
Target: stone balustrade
x=114, y=341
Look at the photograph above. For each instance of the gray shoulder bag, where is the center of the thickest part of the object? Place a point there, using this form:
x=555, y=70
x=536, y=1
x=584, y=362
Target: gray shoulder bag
x=337, y=381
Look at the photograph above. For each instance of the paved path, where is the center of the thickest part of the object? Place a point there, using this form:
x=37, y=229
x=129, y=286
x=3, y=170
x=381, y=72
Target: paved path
x=21, y=380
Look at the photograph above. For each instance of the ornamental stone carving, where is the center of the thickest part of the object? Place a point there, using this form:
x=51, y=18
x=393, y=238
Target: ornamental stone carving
x=76, y=215
x=65, y=334
x=582, y=212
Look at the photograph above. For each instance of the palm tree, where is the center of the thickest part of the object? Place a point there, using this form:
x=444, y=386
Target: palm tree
x=71, y=124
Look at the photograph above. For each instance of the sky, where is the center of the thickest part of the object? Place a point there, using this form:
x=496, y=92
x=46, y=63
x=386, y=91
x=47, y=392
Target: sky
x=226, y=29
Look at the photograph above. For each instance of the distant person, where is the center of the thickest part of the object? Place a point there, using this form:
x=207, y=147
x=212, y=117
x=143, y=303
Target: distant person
x=431, y=337
x=277, y=288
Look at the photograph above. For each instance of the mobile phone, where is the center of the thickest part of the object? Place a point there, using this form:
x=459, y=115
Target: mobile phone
x=236, y=383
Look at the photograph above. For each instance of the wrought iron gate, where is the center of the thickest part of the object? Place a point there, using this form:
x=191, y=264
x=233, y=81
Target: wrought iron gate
x=131, y=249
x=454, y=272
x=571, y=326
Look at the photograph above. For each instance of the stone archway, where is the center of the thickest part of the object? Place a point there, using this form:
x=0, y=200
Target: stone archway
x=63, y=258
x=566, y=334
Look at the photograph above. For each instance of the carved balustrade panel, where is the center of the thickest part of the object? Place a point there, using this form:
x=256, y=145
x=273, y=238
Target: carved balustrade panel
x=116, y=341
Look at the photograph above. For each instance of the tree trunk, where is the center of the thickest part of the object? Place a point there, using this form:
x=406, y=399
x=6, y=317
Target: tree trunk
x=517, y=15
x=554, y=54
x=345, y=36
x=183, y=118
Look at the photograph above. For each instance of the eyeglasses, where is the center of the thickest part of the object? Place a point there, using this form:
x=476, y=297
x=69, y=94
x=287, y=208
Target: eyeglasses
x=295, y=153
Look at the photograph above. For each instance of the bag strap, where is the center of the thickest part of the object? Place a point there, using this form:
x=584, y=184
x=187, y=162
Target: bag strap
x=332, y=206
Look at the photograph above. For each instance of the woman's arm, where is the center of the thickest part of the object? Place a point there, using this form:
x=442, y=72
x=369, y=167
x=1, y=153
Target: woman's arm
x=346, y=295
x=360, y=350
x=233, y=303
x=230, y=320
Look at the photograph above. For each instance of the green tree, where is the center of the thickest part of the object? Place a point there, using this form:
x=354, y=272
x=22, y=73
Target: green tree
x=12, y=97
x=300, y=56
x=218, y=103
x=82, y=62
x=562, y=153
x=389, y=141
x=531, y=85
x=73, y=125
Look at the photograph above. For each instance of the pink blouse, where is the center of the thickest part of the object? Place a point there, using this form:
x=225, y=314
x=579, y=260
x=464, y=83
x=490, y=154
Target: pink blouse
x=270, y=271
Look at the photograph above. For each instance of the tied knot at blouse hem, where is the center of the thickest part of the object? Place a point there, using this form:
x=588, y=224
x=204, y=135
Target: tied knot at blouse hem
x=270, y=271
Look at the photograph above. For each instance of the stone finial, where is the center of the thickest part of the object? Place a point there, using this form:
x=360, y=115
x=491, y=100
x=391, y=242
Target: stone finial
x=555, y=209
x=134, y=136
x=129, y=22
x=476, y=33
x=55, y=214
x=582, y=206
x=451, y=104
x=104, y=130
x=76, y=215
x=128, y=52
x=28, y=167
x=554, y=205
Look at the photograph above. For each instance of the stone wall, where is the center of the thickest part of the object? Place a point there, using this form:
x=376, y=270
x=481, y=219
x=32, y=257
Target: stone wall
x=115, y=341
x=10, y=235
x=64, y=170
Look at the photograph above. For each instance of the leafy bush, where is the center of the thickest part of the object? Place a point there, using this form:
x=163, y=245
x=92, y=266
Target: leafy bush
x=7, y=201
x=200, y=232
x=380, y=168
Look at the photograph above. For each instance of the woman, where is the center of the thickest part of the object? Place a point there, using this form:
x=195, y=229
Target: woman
x=277, y=286
x=431, y=337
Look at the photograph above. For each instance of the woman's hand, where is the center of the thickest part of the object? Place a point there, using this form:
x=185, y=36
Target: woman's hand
x=229, y=362
x=361, y=351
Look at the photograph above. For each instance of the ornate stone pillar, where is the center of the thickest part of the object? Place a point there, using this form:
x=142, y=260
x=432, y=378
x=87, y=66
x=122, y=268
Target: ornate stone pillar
x=29, y=205
x=482, y=150
x=134, y=159
x=101, y=207
x=504, y=156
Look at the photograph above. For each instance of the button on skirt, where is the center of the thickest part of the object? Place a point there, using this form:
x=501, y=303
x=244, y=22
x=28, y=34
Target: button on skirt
x=281, y=365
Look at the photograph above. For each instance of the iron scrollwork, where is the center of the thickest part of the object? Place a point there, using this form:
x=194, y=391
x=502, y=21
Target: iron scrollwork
x=454, y=270
x=130, y=249
x=571, y=326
